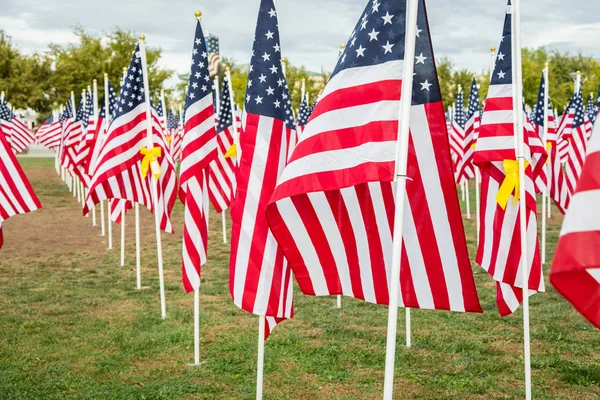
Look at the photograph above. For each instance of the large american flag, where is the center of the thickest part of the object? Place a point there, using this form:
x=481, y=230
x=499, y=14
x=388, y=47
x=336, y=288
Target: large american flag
x=499, y=251
x=260, y=279
x=118, y=170
x=48, y=134
x=101, y=127
x=221, y=177
x=575, y=270
x=16, y=194
x=333, y=209
x=556, y=179
x=465, y=169
x=580, y=132
x=198, y=150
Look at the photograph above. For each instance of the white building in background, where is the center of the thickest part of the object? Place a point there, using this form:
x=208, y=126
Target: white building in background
x=28, y=116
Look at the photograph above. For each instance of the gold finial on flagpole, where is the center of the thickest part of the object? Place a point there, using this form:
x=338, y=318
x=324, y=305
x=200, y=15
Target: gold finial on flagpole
x=493, y=49
x=105, y=75
x=227, y=68
x=474, y=74
x=284, y=60
x=547, y=64
x=143, y=37
x=198, y=14
x=343, y=46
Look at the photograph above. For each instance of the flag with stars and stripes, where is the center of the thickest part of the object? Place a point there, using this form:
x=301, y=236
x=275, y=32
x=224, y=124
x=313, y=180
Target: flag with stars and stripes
x=84, y=149
x=556, y=179
x=575, y=272
x=580, y=132
x=48, y=134
x=499, y=251
x=18, y=133
x=120, y=167
x=465, y=169
x=457, y=132
x=73, y=131
x=221, y=175
x=198, y=150
x=214, y=57
x=564, y=131
x=591, y=108
x=333, y=209
x=16, y=194
x=177, y=138
x=100, y=128
x=303, y=115
x=260, y=279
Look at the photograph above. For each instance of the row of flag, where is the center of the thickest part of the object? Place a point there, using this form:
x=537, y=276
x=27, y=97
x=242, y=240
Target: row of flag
x=314, y=196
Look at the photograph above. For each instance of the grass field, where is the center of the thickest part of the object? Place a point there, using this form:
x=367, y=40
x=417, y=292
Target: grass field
x=72, y=325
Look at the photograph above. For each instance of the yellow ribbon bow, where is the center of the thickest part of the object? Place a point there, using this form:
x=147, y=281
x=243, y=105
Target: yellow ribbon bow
x=548, y=148
x=510, y=183
x=150, y=161
x=168, y=139
x=232, y=152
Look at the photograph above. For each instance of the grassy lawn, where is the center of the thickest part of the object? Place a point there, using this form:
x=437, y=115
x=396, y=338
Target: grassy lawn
x=72, y=325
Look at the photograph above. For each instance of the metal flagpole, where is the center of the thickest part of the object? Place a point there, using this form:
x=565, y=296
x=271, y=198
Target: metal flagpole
x=154, y=167
x=138, y=268
x=73, y=179
x=400, y=178
x=517, y=109
x=123, y=236
x=545, y=194
x=95, y=105
x=260, y=364
x=106, y=122
x=467, y=200
x=109, y=223
x=217, y=110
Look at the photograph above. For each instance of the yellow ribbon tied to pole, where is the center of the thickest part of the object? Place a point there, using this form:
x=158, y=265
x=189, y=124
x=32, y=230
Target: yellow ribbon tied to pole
x=548, y=148
x=168, y=139
x=510, y=184
x=232, y=152
x=150, y=161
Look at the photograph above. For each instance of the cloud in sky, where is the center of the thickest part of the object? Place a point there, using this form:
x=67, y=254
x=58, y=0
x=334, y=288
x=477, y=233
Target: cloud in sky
x=311, y=30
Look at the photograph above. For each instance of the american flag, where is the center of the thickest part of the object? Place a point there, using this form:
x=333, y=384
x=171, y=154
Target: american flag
x=259, y=277
x=19, y=135
x=457, y=131
x=72, y=131
x=465, y=168
x=101, y=127
x=198, y=150
x=580, y=132
x=333, y=209
x=16, y=194
x=84, y=150
x=564, y=131
x=49, y=132
x=499, y=251
x=596, y=108
x=575, y=270
x=221, y=176
x=556, y=175
x=214, y=58
x=303, y=115
x=177, y=138
x=171, y=129
x=591, y=108
x=118, y=172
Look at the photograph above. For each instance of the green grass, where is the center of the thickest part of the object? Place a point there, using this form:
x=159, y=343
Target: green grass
x=72, y=325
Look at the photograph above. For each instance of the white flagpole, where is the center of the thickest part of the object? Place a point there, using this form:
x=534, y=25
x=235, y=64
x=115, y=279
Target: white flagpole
x=197, y=326
x=123, y=237
x=217, y=110
x=517, y=107
x=260, y=364
x=236, y=136
x=109, y=223
x=107, y=117
x=468, y=202
x=492, y=61
x=138, y=267
x=95, y=88
x=545, y=195
x=401, y=161
x=73, y=179
x=154, y=181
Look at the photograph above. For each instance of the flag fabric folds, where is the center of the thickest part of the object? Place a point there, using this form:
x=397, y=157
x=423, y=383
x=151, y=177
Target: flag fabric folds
x=465, y=169
x=16, y=194
x=198, y=150
x=260, y=279
x=499, y=251
x=121, y=171
x=221, y=177
x=575, y=270
x=48, y=134
x=580, y=133
x=332, y=211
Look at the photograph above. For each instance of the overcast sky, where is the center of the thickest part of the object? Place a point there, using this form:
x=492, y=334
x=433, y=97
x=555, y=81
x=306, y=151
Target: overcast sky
x=311, y=30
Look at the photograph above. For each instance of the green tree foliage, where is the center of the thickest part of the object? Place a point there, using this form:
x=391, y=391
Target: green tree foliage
x=77, y=65
x=24, y=79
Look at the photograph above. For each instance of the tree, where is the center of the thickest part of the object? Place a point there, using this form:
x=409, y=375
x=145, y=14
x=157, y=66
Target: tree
x=25, y=79
x=77, y=65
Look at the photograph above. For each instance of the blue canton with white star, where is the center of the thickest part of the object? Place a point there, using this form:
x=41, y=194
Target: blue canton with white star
x=579, y=118
x=200, y=84
x=112, y=102
x=5, y=113
x=80, y=116
x=304, y=113
x=473, y=100
x=171, y=120
x=460, y=117
x=538, y=111
x=379, y=37
x=267, y=91
x=503, y=69
x=225, y=115
x=132, y=92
